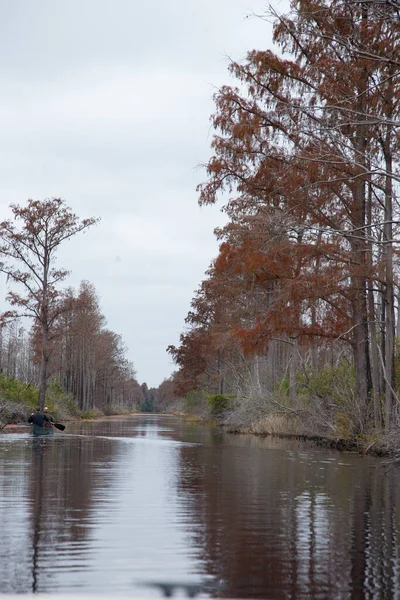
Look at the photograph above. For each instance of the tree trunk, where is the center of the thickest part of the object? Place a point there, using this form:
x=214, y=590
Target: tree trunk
x=389, y=297
x=388, y=256
x=44, y=363
x=374, y=360
x=293, y=366
x=359, y=299
x=376, y=389
x=360, y=346
x=358, y=242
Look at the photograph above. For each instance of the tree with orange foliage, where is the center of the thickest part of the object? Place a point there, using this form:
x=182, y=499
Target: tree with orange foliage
x=313, y=139
x=29, y=252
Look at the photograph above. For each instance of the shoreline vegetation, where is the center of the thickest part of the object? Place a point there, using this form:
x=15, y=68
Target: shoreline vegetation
x=284, y=426
x=295, y=328
x=227, y=414
x=19, y=399
x=339, y=444
x=67, y=359
x=372, y=447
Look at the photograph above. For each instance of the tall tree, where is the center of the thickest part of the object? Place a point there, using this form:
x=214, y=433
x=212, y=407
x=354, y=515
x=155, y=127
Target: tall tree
x=29, y=246
x=309, y=135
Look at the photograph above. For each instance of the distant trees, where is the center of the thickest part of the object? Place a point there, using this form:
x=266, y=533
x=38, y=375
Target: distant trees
x=68, y=341
x=29, y=244
x=307, y=146
x=90, y=359
x=161, y=399
x=87, y=360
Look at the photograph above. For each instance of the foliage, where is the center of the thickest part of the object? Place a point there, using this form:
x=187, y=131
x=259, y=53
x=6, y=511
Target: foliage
x=329, y=395
x=114, y=409
x=12, y=412
x=147, y=402
x=88, y=414
x=147, y=405
x=16, y=391
x=305, y=154
x=218, y=404
x=29, y=244
x=61, y=404
x=76, y=362
x=20, y=399
x=335, y=383
x=17, y=400
x=90, y=360
x=196, y=401
x=3, y=418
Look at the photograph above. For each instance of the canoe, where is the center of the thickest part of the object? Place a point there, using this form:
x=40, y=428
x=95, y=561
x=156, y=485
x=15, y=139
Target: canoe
x=37, y=430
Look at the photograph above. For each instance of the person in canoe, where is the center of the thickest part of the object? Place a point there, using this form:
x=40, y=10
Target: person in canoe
x=39, y=421
x=50, y=423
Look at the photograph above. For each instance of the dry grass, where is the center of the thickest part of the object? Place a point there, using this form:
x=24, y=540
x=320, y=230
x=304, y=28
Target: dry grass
x=279, y=424
x=11, y=412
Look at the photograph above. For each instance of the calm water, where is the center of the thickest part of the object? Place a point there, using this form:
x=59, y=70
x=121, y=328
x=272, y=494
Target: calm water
x=111, y=506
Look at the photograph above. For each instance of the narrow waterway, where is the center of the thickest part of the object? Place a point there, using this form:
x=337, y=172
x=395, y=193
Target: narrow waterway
x=113, y=507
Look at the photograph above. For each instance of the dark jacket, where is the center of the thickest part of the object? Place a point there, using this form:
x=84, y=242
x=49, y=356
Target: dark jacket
x=38, y=419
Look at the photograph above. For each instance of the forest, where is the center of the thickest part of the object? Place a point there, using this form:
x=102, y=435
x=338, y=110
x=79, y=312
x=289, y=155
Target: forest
x=55, y=347
x=296, y=328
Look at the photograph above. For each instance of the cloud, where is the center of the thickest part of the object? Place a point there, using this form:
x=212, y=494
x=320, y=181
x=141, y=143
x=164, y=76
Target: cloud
x=107, y=105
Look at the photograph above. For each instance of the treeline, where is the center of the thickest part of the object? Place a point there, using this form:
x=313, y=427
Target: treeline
x=68, y=345
x=297, y=315
x=87, y=360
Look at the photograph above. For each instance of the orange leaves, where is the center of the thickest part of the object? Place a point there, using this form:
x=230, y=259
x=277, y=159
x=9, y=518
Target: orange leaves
x=269, y=281
x=300, y=146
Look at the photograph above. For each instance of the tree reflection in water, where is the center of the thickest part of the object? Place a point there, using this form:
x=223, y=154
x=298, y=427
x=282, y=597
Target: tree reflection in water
x=268, y=518
x=39, y=447
x=50, y=505
x=278, y=520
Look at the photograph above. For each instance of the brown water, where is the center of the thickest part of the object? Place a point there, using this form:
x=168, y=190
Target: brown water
x=111, y=506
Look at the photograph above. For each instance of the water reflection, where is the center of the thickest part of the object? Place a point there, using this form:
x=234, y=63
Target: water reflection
x=115, y=504
x=39, y=447
x=293, y=523
x=48, y=500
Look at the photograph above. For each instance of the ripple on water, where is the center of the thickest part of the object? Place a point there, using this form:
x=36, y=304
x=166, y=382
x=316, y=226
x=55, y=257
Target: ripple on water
x=104, y=509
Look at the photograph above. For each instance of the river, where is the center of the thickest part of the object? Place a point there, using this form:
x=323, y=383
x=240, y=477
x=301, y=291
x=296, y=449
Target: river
x=121, y=506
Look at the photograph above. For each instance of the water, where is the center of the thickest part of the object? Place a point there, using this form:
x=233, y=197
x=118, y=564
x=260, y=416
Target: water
x=113, y=505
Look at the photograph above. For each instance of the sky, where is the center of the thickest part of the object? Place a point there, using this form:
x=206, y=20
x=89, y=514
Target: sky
x=107, y=104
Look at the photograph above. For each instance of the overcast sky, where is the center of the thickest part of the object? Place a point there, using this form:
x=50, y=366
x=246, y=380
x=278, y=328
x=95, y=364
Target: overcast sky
x=106, y=103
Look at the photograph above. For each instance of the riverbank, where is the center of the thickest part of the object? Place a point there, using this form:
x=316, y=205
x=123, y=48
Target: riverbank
x=374, y=448
x=368, y=445
x=284, y=427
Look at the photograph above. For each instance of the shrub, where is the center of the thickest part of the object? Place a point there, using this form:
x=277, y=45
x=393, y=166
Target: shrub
x=329, y=396
x=60, y=403
x=16, y=391
x=12, y=412
x=196, y=402
x=218, y=404
x=115, y=409
x=90, y=414
x=335, y=383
